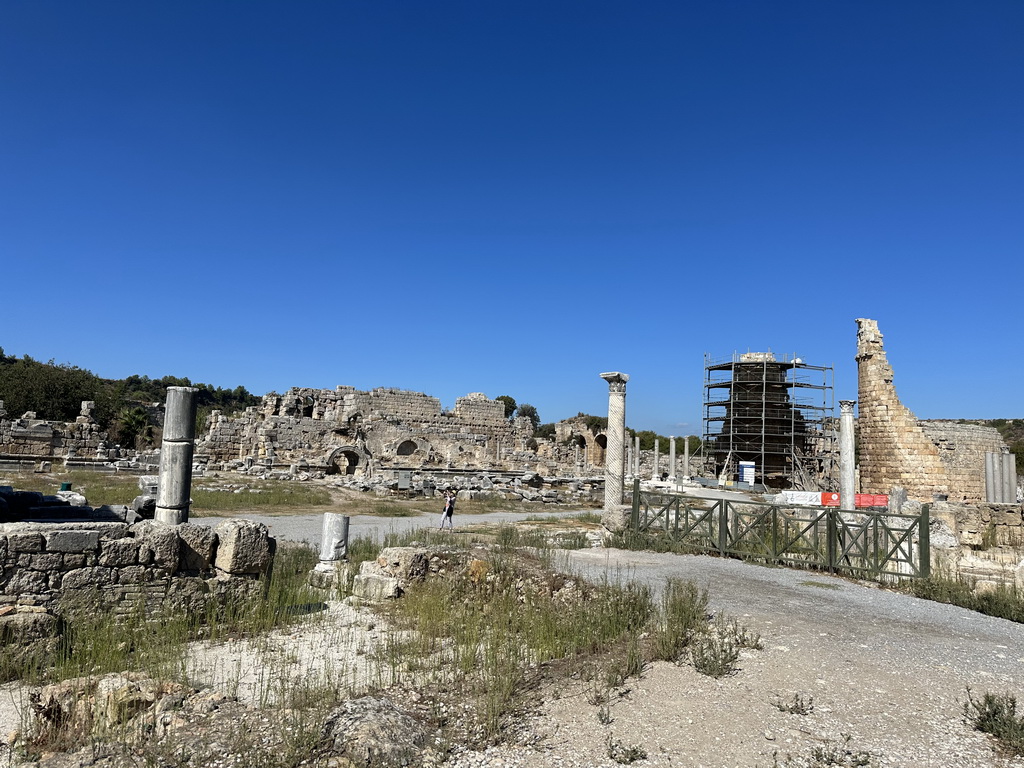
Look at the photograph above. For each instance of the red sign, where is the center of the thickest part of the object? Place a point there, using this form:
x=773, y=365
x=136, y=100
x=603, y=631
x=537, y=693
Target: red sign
x=830, y=499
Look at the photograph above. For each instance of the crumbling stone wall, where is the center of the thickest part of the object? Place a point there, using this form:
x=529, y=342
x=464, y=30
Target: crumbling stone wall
x=350, y=431
x=962, y=449
x=32, y=439
x=897, y=450
x=48, y=569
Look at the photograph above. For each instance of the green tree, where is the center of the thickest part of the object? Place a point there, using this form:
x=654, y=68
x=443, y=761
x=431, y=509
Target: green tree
x=545, y=430
x=510, y=405
x=528, y=411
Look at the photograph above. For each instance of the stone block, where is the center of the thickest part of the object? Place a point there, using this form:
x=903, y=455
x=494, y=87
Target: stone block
x=86, y=577
x=198, y=547
x=243, y=547
x=407, y=564
x=133, y=574
x=119, y=553
x=158, y=545
x=72, y=541
x=25, y=542
x=47, y=561
x=374, y=588
x=22, y=581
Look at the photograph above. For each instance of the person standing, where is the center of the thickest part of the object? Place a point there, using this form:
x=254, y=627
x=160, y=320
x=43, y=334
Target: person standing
x=449, y=509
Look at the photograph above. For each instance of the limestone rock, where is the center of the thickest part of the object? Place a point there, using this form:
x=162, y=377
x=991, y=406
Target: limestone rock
x=375, y=588
x=198, y=547
x=244, y=547
x=374, y=733
x=158, y=544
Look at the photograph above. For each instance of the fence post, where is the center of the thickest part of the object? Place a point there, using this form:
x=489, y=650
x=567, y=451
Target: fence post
x=832, y=534
x=634, y=515
x=723, y=526
x=924, y=540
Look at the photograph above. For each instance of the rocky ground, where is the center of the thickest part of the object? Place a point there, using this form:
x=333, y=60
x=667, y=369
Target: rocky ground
x=848, y=674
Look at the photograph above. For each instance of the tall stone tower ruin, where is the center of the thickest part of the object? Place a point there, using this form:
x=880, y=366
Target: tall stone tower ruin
x=926, y=458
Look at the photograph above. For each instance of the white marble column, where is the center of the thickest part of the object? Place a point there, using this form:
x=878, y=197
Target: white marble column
x=174, y=493
x=847, y=468
x=671, y=459
x=615, y=516
x=657, y=449
x=686, y=458
x=636, y=457
x=629, y=461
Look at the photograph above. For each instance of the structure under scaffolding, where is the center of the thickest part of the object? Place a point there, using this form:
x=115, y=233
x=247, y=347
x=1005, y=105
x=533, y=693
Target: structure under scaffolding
x=776, y=413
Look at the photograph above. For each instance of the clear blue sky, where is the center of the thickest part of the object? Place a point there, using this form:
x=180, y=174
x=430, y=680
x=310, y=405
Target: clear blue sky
x=511, y=197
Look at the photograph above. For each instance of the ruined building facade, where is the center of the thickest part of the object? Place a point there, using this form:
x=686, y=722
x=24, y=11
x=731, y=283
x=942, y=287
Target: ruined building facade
x=927, y=458
x=348, y=431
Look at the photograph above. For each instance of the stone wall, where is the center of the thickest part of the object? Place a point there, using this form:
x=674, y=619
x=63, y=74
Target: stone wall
x=353, y=432
x=983, y=543
x=29, y=438
x=962, y=449
x=46, y=566
x=928, y=459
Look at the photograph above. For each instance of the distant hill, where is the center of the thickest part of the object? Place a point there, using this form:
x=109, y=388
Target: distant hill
x=56, y=391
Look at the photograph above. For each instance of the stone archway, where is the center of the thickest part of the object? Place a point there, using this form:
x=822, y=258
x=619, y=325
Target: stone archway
x=597, y=450
x=346, y=460
x=406, y=448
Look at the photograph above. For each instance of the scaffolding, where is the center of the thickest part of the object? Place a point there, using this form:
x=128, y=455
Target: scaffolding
x=777, y=412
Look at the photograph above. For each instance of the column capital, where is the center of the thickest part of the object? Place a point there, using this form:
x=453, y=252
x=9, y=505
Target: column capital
x=616, y=380
x=846, y=406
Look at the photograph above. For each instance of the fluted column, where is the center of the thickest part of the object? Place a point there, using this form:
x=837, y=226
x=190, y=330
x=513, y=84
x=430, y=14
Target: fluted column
x=174, y=493
x=847, y=465
x=614, y=518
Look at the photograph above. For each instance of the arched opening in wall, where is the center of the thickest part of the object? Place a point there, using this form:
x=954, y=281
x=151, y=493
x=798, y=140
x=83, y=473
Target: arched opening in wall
x=406, y=448
x=307, y=408
x=578, y=440
x=597, y=457
x=343, y=463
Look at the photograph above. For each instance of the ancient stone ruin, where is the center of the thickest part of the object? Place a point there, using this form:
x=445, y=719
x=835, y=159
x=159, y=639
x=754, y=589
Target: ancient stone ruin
x=930, y=459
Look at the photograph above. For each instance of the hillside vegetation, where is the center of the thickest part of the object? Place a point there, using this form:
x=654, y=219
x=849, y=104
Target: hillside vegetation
x=56, y=391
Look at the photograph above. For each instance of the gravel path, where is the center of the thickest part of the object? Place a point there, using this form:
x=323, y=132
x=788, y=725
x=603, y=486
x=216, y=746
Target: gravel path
x=889, y=670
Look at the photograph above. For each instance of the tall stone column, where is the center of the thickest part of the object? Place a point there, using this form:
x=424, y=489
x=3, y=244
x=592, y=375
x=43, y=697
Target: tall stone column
x=636, y=457
x=671, y=459
x=629, y=460
x=615, y=516
x=847, y=468
x=175, y=490
x=686, y=458
x=657, y=449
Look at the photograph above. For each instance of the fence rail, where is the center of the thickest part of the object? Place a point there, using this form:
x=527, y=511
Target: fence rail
x=872, y=545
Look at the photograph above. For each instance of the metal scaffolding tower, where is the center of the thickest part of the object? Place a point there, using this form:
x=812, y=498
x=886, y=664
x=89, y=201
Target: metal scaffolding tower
x=775, y=412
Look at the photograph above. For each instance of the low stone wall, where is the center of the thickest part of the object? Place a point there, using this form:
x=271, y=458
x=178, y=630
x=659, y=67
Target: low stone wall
x=983, y=543
x=49, y=568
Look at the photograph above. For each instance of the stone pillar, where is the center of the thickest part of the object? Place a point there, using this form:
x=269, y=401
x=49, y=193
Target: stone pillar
x=686, y=458
x=847, y=464
x=174, y=493
x=991, y=492
x=671, y=459
x=636, y=455
x=629, y=460
x=657, y=450
x=615, y=516
x=334, y=538
x=1009, y=478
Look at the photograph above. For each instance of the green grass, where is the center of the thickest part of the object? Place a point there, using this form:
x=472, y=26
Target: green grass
x=1003, y=601
x=258, y=494
x=98, y=487
x=388, y=509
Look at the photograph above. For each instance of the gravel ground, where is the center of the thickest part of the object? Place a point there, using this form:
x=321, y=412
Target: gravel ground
x=889, y=670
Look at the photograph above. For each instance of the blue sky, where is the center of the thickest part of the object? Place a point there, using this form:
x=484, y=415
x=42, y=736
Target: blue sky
x=511, y=198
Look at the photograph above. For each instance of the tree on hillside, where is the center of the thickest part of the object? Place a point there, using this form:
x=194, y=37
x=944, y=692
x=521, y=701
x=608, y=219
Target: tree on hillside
x=510, y=405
